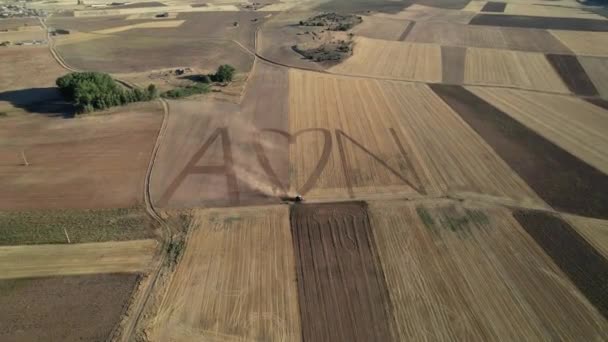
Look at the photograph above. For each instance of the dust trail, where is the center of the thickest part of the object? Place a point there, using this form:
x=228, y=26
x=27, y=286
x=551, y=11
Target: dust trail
x=258, y=182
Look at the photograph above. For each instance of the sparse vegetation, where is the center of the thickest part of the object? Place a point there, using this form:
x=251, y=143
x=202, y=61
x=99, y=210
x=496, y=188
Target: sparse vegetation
x=225, y=73
x=47, y=226
x=3, y=114
x=198, y=88
x=332, y=51
x=333, y=21
x=90, y=91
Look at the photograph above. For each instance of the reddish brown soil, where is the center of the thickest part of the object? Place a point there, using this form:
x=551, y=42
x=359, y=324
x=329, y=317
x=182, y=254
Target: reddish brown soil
x=75, y=308
x=578, y=259
x=558, y=177
x=93, y=162
x=573, y=74
x=571, y=24
x=341, y=286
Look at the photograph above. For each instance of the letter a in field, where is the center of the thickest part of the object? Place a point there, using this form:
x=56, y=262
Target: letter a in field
x=225, y=169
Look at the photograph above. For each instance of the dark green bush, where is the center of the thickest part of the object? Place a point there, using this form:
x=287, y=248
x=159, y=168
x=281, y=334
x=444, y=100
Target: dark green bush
x=90, y=91
x=224, y=73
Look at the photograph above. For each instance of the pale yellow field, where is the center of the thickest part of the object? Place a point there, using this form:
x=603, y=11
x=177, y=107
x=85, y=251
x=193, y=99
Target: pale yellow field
x=593, y=230
x=394, y=60
x=150, y=24
x=473, y=274
x=235, y=282
x=425, y=13
x=597, y=70
x=440, y=152
x=84, y=258
x=584, y=43
x=474, y=6
x=573, y=124
x=380, y=28
x=542, y=10
x=527, y=70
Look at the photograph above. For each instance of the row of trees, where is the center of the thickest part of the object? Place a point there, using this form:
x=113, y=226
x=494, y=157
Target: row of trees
x=90, y=91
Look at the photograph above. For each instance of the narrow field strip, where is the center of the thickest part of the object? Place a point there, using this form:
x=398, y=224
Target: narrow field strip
x=540, y=22
x=577, y=258
x=593, y=230
x=459, y=273
x=151, y=24
x=86, y=258
x=561, y=179
x=573, y=74
x=342, y=292
x=236, y=280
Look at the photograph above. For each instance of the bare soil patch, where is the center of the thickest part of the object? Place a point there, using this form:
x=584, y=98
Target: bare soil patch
x=491, y=6
x=452, y=64
x=92, y=162
x=525, y=21
x=342, y=291
x=579, y=260
x=75, y=308
x=558, y=177
x=573, y=74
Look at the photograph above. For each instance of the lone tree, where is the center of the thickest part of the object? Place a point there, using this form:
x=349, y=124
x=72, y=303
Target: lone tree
x=89, y=91
x=224, y=73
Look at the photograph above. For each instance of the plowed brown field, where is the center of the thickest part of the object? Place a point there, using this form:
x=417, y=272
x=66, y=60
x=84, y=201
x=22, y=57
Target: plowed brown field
x=458, y=273
x=236, y=280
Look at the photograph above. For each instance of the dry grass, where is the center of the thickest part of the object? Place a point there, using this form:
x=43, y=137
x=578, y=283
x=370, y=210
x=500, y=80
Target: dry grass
x=35, y=33
x=473, y=274
x=236, y=280
x=439, y=149
x=511, y=68
x=584, y=43
x=396, y=60
x=593, y=230
x=573, y=124
x=85, y=258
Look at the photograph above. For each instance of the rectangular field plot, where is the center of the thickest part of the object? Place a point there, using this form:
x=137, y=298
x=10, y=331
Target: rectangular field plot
x=575, y=125
x=420, y=13
x=365, y=138
x=394, y=60
x=473, y=274
x=342, y=292
x=486, y=37
x=511, y=68
x=85, y=258
x=597, y=70
x=235, y=281
x=584, y=43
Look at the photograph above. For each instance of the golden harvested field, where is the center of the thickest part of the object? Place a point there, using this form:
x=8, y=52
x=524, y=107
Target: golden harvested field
x=394, y=60
x=410, y=134
x=378, y=27
x=473, y=274
x=571, y=123
x=541, y=10
x=593, y=230
x=597, y=70
x=526, y=70
x=236, y=280
x=16, y=36
x=418, y=13
x=83, y=258
x=584, y=43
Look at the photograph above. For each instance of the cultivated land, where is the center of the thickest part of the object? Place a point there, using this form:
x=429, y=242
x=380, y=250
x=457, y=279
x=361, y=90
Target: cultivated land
x=452, y=167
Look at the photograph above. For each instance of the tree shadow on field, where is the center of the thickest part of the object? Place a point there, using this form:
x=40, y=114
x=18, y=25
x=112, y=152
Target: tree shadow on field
x=44, y=101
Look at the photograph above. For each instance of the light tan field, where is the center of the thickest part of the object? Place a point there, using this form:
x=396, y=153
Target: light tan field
x=542, y=10
x=151, y=24
x=440, y=153
x=393, y=60
x=573, y=124
x=236, y=280
x=597, y=70
x=378, y=27
x=473, y=274
x=34, y=33
x=525, y=70
x=418, y=13
x=474, y=6
x=84, y=258
x=584, y=43
x=593, y=230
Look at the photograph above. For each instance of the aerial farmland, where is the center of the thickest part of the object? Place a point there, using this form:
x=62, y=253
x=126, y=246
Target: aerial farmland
x=315, y=170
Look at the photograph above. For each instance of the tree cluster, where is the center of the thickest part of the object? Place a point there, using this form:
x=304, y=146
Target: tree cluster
x=90, y=91
x=224, y=73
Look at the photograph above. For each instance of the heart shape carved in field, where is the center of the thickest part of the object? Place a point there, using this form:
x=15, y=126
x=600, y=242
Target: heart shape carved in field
x=292, y=139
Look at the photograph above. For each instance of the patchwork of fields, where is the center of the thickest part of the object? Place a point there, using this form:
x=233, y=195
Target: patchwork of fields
x=452, y=167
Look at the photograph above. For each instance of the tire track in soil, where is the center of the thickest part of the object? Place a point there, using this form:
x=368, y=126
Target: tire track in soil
x=342, y=290
x=579, y=260
x=561, y=179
